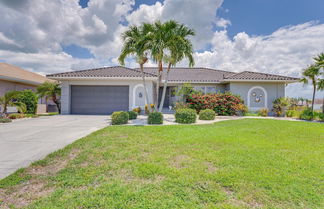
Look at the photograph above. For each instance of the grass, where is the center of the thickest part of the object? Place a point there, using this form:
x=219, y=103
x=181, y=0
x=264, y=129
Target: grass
x=48, y=114
x=250, y=163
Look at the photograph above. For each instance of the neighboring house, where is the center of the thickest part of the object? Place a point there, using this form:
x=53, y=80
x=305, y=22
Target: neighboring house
x=104, y=90
x=15, y=78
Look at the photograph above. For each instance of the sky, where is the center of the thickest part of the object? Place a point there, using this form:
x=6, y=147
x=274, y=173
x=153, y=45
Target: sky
x=270, y=36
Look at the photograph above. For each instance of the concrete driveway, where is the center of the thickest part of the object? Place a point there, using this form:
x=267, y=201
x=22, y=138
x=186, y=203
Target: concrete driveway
x=28, y=140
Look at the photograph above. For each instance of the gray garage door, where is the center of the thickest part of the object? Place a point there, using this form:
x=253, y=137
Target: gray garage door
x=99, y=99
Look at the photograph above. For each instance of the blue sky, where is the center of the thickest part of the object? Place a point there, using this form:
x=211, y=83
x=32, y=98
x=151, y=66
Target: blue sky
x=270, y=36
x=255, y=17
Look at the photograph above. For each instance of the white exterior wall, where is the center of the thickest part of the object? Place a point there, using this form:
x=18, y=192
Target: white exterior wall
x=135, y=87
x=273, y=91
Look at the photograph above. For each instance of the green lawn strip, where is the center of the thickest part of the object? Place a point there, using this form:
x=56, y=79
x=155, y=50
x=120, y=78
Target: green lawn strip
x=231, y=164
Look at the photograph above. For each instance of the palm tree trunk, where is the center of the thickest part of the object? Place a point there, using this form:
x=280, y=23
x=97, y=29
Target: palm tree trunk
x=57, y=103
x=164, y=88
x=145, y=89
x=158, y=85
x=314, y=90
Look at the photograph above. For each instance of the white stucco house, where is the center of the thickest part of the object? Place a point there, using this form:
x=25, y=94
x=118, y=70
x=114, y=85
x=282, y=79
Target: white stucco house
x=109, y=89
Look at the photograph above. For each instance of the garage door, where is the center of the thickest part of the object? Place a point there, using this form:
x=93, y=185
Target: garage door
x=99, y=99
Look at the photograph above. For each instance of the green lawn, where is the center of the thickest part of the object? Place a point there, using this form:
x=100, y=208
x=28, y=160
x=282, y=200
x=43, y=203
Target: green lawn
x=250, y=163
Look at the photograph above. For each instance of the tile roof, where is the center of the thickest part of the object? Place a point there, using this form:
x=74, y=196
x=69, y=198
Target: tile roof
x=117, y=71
x=179, y=74
x=17, y=74
x=196, y=75
x=248, y=75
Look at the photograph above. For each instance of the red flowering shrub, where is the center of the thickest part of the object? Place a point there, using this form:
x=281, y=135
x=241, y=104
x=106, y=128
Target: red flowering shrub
x=221, y=103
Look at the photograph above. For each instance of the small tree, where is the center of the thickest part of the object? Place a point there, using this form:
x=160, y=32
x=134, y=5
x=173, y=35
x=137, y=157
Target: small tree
x=312, y=73
x=51, y=90
x=10, y=99
x=280, y=105
x=30, y=99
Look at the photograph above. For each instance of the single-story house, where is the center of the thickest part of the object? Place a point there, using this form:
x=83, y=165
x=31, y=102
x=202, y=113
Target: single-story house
x=13, y=78
x=108, y=89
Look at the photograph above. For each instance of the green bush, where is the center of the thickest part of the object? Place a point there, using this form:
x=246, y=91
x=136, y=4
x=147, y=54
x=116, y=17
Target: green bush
x=31, y=116
x=5, y=120
x=155, y=118
x=279, y=106
x=132, y=115
x=321, y=116
x=207, y=114
x=221, y=103
x=16, y=116
x=307, y=114
x=119, y=118
x=263, y=112
x=30, y=99
x=293, y=113
x=185, y=116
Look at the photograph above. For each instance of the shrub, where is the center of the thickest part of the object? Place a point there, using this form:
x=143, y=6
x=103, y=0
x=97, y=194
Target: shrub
x=293, y=113
x=180, y=105
x=155, y=118
x=119, y=117
x=263, y=112
x=279, y=105
x=5, y=120
x=221, y=103
x=30, y=99
x=16, y=116
x=147, y=111
x=31, y=116
x=138, y=110
x=207, y=114
x=307, y=114
x=132, y=115
x=185, y=116
x=241, y=109
x=321, y=116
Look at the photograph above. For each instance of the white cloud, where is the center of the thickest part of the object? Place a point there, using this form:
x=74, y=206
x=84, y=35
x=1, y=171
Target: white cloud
x=286, y=51
x=199, y=15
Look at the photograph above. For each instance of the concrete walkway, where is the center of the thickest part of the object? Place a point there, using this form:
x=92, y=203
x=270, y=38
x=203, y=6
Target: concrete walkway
x=27, y=140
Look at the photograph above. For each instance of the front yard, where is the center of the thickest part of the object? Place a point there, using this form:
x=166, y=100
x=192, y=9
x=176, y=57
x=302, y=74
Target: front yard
x=250, y=163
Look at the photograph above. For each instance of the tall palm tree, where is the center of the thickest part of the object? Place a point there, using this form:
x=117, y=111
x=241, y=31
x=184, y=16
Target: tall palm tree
x=136, y=43
x=50, y=90
x=9, y=99
x=319, y=61
x=312, y=73
x=180, y=47
x=160, y=34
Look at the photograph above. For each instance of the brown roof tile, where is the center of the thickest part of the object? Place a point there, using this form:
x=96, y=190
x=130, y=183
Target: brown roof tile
x=248, y=75
x=197, y=74
x=117, y=71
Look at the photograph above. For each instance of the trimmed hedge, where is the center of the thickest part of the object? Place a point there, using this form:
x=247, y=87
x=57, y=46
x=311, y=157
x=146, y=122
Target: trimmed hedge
x=207, y=114
x=185, y=116
x=119, y=118
x=155, y=118
x=132, y=115
x=221, y=103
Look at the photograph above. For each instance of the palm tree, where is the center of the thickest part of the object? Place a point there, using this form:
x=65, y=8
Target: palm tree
x=136, y=43
x=160, y=35
x=312, y=73
x=50, y=90
x=180, y=47
x=319, y=61
x=9, y=99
